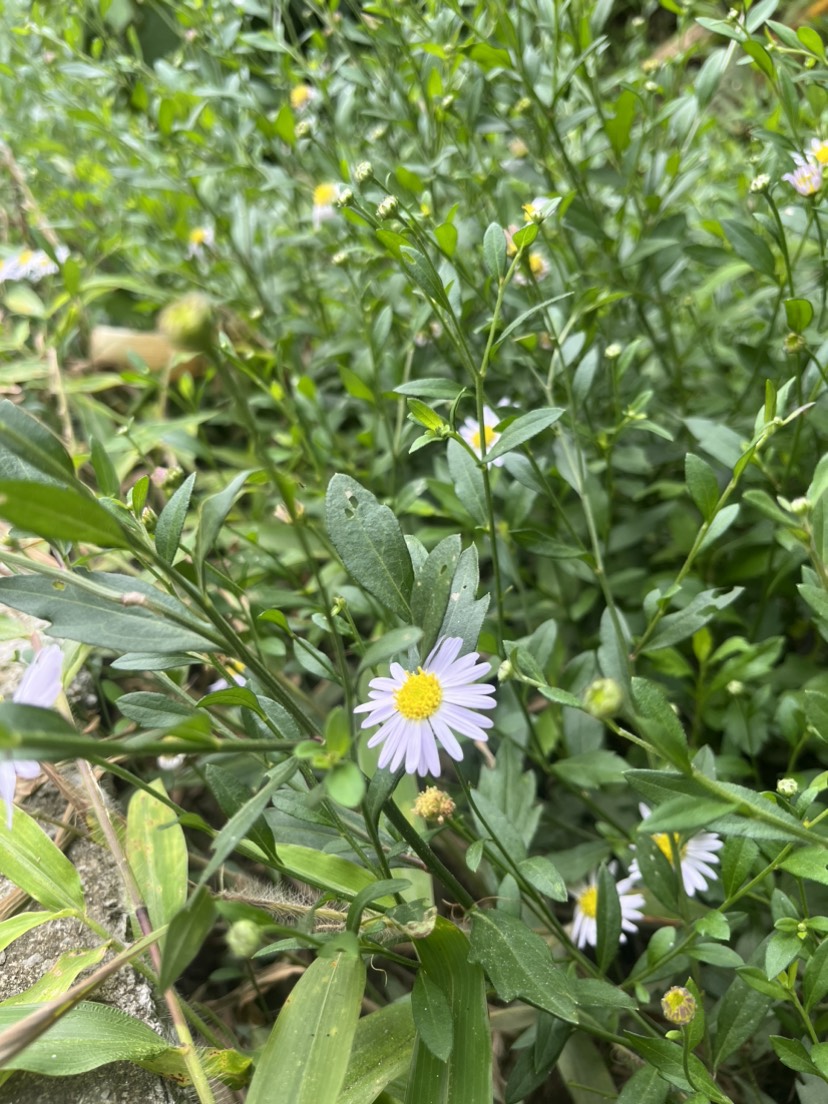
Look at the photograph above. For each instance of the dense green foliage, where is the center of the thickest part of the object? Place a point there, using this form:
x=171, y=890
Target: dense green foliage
x=493, y=322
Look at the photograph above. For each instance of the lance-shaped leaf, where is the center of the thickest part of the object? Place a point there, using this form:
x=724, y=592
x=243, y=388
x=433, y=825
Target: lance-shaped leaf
x=368, y=538
x=59, y=513
x=306, y=1056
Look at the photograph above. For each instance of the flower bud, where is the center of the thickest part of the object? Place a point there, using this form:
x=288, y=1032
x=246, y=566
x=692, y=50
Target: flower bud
x=244, y=938
x=388, y=207
x=678, y=1005
x=787, y=787
x=190, y=322
x=304, y=128
x=433, y=804
x=364, y=171
x=603, y=698
x=760, y=183
x=345, y=198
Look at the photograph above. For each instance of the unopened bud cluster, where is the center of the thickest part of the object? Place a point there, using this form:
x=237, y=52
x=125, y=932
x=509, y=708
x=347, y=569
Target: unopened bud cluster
x=363, y=172
x=388, y=207
x=434, y=804
x=678, y=1005
x=603, y=698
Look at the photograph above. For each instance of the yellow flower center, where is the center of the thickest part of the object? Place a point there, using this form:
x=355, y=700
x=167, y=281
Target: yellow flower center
x=419, y=696
x=300, y=95
x=588, y=902
x=536, y=264
x=488, y=434
x=662, y=842
x=198, y=236
x=25, y=256
x=324, y=195
x=820, y=152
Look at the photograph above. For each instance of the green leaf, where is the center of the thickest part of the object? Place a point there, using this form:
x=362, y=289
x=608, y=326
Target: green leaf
x=809, y=863
x=543, y=875
x=17, y=722
x=676, y=627
x=105, y=473
x=15, y=926
x=519, y=963
x=213, y=514
x=157, y=852
x=433, y=389
x=60, y=976
x=683, y=814
x=27, y=447
x=468, y=481
x=88, y=1036
x=185, y=936
x=466, y=1077
x=372, y=892
x=668, y=1059
x=702, y=484
x=815, y=980
x=432, y=589
x=465, y=612
x=59, y=513
x=232, y=795
x=646, y=1086
x=368, y=538
x=763, y=61
x=618, y=126
x=737, y=859
x=78, y=612
x=432, y=1016
x=792, y=1053
x=24, y=300
x=381, y=1052
x=523, y=429
x=246, y=817
x=659, y=723
x=749, y=246
x=608, y=919
x=171, y=520
x=30, y=860
x=345, y=784
x=494, y=251
x=151, y=710
x=798, y=312
x=424, y=275
x=738, y=1017
x=305, y=1058
x=782, y=949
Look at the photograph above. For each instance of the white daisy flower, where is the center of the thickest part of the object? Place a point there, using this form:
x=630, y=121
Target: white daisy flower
x=200, y=239
x=806, y=178
x=31, y=265
x=540, y=208
x=438, y=699
x=697, y=856
x=819, y=150
x=471, y=433
x=538, y=267
x=324, y=198
x=585, y=919
x=39, y=686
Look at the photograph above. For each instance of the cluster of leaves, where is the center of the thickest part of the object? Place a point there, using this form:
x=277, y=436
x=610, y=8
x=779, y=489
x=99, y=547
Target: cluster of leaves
x=410, y=215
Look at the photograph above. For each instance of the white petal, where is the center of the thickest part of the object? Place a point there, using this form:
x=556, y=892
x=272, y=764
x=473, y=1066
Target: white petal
x=446, y=738
x=27, y=768
x=40, y=684
x=8, y=781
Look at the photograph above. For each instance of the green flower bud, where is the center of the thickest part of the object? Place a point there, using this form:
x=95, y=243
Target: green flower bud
x=244, y=938
x=190, y=322
x=603, y=698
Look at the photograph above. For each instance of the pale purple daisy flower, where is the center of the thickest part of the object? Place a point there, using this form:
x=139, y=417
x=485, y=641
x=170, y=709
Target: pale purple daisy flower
x=40, y=686
x=417, y=708
x=697, y=856
x=585, y=918
x=473, y=435
x=806, y=178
